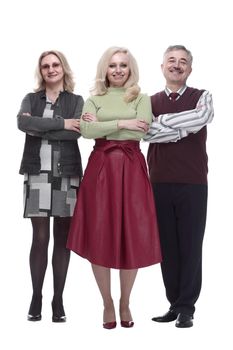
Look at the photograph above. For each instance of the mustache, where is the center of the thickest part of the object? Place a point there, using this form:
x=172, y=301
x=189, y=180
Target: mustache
x=178, y=69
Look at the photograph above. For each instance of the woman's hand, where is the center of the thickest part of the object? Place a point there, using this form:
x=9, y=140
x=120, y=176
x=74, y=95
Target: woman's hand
x=133, y=124
x=88, y=117
x=72, y=124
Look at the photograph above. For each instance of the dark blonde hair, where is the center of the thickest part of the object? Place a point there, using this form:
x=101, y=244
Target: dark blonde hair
x=101, y=81
x=68, y=80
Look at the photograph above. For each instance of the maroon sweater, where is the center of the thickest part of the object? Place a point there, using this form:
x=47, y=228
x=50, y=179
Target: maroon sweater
x=184, y=161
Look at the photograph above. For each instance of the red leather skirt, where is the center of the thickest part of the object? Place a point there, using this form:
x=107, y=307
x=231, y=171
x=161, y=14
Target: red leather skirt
x=114, y=222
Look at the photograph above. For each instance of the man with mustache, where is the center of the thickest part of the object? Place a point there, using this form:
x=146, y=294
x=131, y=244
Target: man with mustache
x=177, y=161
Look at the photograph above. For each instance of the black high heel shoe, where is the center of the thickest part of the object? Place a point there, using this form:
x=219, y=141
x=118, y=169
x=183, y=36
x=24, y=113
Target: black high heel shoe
x=34, y=313
x=58, y=313
x=59, y=318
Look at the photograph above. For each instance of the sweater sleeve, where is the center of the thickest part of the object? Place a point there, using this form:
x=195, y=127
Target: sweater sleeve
x=66, y=134
x=143, y=109
x=143, y=112
x=29, y=123
x=93, y=130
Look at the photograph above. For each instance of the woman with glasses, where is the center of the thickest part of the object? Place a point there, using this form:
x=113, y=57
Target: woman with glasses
x=52, y=169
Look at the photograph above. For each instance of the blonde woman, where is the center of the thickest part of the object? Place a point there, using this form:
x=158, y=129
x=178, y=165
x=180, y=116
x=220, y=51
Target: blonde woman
x=114, y=223
x=52, y=169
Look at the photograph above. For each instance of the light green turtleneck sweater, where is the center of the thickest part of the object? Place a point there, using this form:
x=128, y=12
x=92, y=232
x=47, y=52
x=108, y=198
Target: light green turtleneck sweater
x=110, y=108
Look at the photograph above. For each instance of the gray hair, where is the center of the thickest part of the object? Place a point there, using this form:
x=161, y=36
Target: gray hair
x=179, y=47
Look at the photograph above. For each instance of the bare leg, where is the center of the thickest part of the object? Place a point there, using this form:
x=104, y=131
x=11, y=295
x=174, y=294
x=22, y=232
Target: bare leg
x=103, y=279
x=127, y=279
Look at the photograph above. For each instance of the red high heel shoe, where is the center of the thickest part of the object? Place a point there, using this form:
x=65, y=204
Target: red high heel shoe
x=109, y=325
x=127, y=324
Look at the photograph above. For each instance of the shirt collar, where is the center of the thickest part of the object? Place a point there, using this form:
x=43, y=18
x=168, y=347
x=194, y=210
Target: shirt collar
x=180, y=91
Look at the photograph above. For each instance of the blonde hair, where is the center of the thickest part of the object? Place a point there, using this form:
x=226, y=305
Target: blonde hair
x=68, y=80
x=101, y=82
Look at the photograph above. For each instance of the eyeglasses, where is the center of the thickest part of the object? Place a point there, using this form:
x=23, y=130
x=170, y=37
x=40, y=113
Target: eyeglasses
x=48, y=66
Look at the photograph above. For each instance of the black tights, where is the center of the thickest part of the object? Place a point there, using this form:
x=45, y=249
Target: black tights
x=39, y=261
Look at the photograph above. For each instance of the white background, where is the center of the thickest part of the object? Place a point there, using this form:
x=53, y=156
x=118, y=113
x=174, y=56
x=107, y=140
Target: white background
x=83, y=30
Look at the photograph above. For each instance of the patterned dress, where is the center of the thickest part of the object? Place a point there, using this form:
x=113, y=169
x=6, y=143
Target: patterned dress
x=49, y=194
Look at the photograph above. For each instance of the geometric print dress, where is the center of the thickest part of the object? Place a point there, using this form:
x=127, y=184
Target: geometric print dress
x=48, y=194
